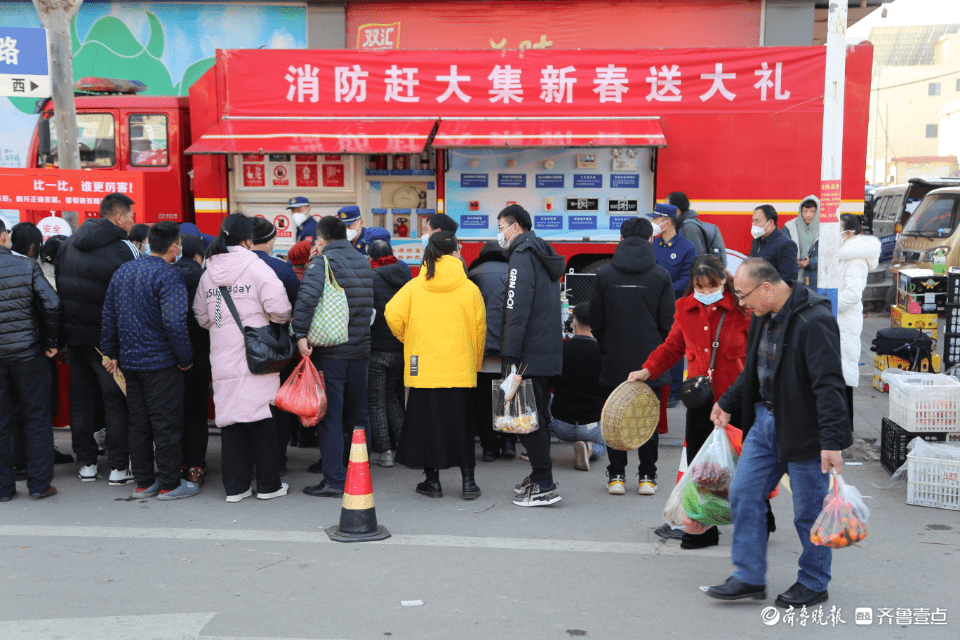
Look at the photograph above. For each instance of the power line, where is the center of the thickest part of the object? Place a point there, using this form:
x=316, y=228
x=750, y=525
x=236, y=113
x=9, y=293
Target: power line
x=943, y=75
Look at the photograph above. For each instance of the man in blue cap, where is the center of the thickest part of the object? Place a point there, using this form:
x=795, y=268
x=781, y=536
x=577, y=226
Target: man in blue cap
x=358, y=236
x=299, y=208
x=675, y=254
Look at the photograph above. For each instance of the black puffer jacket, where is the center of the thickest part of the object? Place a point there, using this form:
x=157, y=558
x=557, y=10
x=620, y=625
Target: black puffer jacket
x=190, y=271
x=84, y=266
x=809, y=398
x=631, y=311
x=29, y=310
x=489, y=273
x=355, y=275
x=532, y=335
x=387, y=280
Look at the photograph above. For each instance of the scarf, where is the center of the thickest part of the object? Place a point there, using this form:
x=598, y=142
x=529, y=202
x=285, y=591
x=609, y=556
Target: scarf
x=384, y=261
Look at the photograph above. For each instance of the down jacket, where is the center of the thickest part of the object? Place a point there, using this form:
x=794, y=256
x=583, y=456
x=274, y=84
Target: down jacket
x=85, y=263
x=532, y=334
x=387, y=280
x=631, y=311
x=29, y=310
x=858, y=255
x=692, y=334
x=780, y=251
x=355, y=275
x=489, y=273
x=809, y=401
x=442, y=325
x=260, y=298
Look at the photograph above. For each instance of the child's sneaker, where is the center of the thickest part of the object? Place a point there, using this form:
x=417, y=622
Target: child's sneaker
x=648, y=486
x=616, y=484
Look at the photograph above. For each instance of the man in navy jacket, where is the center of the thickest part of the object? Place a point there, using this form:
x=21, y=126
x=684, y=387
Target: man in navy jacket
x=772, y=244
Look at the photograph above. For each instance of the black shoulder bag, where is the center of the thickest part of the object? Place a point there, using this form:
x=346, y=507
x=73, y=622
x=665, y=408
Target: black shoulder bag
x=698, y=392
x=268, y=348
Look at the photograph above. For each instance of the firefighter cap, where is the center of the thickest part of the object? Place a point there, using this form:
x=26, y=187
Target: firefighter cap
x=299, y=201
x=348, y=215
x=663, y=211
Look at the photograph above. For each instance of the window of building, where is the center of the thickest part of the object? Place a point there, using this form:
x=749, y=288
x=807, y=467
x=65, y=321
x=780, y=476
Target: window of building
x=931, y=131
x=933, y=89
x=148, y=140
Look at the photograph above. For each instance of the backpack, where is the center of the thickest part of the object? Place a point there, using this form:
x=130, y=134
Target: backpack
x=712, y=238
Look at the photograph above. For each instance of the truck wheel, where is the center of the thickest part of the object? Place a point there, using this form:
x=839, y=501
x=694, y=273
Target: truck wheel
x=593, y=267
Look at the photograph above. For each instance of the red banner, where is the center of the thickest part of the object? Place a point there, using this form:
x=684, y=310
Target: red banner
x=65, y=190
x=533, y=83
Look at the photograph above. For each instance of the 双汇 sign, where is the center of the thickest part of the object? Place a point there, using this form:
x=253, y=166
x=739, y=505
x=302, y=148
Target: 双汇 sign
x=24, y=68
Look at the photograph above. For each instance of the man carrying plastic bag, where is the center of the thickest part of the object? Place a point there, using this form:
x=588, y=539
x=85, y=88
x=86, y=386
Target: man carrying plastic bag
x=792, y=395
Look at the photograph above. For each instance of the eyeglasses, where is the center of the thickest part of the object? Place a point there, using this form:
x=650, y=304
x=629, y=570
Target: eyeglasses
x=742, y=297
x=502, y=227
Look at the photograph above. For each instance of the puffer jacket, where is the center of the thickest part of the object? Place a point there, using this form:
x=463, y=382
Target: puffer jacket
x=387, y=280
x=191, y=272
x=780, y=251
x=442, y=325
x=85, y=263
x=260, y=298
x=29, y=310
x=355, y=275
x=631, y=311
x=489, y=273
x=532, y=334
x=692, y=335
x=858, y=255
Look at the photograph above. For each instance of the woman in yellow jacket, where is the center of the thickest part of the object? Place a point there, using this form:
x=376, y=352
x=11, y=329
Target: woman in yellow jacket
x=440, y=318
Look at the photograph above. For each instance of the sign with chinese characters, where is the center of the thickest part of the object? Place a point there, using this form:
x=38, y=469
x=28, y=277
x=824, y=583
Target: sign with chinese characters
x=377, y=37
x=617, y=205
x=617, y=221
x=535, y=82
x=587, y=181
x=512, y=180
x=582, y=222
x=65, y=190
x=24, y=70
x=548, y=223
x=624, y=181
x=54, y=226
x=583, y=204
x=550, y=180
x=475, y=180
x=474, y=221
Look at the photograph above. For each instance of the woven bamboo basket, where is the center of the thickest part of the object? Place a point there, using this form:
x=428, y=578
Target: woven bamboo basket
x=630, y=416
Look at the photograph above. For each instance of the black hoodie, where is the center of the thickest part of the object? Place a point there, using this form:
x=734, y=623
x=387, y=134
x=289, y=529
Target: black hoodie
x=84, y=266
x=387, y=280
x=532, y=334
x=631, y=311
x=809, y=397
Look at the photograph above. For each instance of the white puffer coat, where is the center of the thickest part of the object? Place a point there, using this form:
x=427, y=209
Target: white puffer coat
x=858, y=255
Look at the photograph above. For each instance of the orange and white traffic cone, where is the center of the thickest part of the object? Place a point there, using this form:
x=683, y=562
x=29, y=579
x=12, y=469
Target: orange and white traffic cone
x=358, y=517
x=683, y=461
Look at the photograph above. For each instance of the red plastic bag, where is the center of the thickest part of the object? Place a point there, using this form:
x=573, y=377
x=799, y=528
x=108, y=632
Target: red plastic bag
x=303, y=394
x=736, y=439
x=842, y=522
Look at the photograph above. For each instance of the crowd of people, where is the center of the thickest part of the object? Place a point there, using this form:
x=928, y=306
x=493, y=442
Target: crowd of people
x=149, y=316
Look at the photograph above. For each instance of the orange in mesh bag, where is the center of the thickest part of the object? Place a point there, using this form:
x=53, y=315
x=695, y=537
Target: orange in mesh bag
x=842, y=522
x=303, y=394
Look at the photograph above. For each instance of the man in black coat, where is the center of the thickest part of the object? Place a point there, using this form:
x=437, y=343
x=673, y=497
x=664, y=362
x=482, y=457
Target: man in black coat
x=772, y=244
x=29, y=330
x=345, y=366
x=532, y=339
x=84, y=266
x=792, y=395
x=631, y=312
x=489, y=273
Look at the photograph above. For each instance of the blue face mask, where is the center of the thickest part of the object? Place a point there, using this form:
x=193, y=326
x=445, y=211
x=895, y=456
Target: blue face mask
x=425, y=239
x=179, y=255
x=146, y=249
x=709, y=298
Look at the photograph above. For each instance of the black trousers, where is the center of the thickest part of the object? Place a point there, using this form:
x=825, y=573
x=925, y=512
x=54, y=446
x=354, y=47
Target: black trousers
x=246, y=445
x=27, y=383
x=850, y=405
x=196, y=387
x=88, y=379
x=490, y=440
x=284, y=423
x=648, y=454
x=537, y=443
x=155, y=399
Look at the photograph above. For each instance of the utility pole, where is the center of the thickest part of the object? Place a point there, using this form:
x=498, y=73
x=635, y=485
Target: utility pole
x=831, y=164
x=55, y=15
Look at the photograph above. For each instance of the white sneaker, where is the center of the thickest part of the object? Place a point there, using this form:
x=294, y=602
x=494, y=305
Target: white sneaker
x=282, y=491
x=615, y=485
x=384, y=459
x=88, y=473
x=648, y=486
x=119, y=477
x=581, y=456
x=240, y=496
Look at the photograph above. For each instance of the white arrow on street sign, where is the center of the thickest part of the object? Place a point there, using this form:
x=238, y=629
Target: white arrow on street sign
x=24, y=63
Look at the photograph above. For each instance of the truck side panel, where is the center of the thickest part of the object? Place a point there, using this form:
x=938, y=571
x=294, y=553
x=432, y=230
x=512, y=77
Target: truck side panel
x=211, y=200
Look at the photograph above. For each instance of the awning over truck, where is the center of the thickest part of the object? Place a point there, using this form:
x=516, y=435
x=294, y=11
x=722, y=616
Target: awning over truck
x=550, y=132
x=315, y=135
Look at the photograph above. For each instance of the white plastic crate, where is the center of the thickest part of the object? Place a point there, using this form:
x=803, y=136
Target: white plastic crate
x=924, y=401
x=933, y=483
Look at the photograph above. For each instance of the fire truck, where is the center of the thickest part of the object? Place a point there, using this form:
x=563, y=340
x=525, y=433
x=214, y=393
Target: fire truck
x=582, y=139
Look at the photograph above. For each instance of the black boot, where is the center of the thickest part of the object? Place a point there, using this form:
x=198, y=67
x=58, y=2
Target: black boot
x=508, y=449
x=771, y=521
x=470, y=489
x=431, y=486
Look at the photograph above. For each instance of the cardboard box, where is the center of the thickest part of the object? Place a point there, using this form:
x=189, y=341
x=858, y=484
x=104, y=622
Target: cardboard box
x=878, y=382
x=925, y=322
x=919, y=291
x=881, y=363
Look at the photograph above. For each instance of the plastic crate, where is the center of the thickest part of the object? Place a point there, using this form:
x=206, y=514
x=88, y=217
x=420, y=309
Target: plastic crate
x=953, y=286
x=924, y=402
x=933, y=483
x=893, y=443
x=951, y=317
x=951, y=350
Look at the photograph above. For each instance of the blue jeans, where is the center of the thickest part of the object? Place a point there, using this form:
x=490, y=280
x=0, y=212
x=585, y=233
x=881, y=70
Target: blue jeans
x=589, y=433
x=758, y=472
x=346, y=386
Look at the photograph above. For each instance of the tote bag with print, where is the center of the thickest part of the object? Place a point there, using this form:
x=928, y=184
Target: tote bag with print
x=332, y=317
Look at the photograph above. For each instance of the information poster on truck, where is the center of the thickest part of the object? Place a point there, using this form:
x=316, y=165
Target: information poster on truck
x=65, y=190
x=570, y=193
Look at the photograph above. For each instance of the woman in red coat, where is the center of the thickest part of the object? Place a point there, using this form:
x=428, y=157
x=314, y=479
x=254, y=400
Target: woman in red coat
x=694, y=330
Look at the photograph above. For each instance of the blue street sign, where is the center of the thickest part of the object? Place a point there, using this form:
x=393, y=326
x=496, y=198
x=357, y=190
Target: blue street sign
x=24, y=68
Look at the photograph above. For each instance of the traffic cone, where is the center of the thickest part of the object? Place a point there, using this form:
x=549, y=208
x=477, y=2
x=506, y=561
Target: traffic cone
x=358, y=517
x=683, y=461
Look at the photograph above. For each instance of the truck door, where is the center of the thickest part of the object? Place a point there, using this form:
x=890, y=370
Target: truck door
x=148, y=144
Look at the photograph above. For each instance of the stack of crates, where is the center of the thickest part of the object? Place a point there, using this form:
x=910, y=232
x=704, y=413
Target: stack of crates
x=951, y=333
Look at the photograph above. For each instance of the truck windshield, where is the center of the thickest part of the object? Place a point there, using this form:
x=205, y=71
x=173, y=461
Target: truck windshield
x=98, y=148
x=936, y=217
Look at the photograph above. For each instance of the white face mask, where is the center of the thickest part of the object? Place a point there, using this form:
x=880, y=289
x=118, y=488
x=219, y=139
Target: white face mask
x=352, y=234
x=656, y=229
x=425, y=239
x=709, y=298
x=502, y=240
x=299, y=219
x=757, y=232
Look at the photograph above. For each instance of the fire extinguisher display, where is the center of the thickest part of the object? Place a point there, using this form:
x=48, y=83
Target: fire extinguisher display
x=400, y=228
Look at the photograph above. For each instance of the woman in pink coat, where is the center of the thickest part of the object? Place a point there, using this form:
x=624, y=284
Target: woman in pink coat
x=242, y=398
